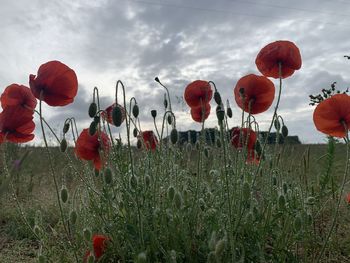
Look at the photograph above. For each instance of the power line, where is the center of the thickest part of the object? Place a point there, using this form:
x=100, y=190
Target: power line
x=212, y=10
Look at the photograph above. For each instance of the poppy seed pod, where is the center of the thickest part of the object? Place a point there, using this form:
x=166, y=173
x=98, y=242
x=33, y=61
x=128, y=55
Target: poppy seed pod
x=174, y=136
x=66, y=127
x=284, y=131
x=73, y=217
x=217, y=98
x=117, y=116
x=154, y=113
x=64, y=194
x=63, y=145
x=135, y=110
x=92, y=109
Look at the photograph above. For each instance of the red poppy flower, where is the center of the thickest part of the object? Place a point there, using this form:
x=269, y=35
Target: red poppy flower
x=99, y=244
x=16, y=125
x=258, y=93
x=198, y=92
x=57, y=82
x=197, y=113
x=348, y=198
x=18, y=95
x=331, y=115
x=284, y=52
x=107, y=114
x=88, y=147
x=149, y=139
x=252, y=158
x=248, y=138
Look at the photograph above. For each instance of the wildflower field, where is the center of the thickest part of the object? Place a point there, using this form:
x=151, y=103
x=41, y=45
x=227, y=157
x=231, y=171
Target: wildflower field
x=233, y=198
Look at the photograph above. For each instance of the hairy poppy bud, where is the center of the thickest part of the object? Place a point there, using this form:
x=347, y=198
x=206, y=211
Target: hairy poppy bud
x=178, y=200
x=154, y=113
x=66, y=128
x=92, y=128
x=141, y=258
x=73, y=217
x=97, y=119
x=219, y=248
x=171, y=193
x=92, y=109
x=139, y=144
x=87, y=234
x=285, y=187
x=63, y=145
x=108, y=175
x=281, y=202
x=64, y=194
x=174, y=136
x=284, y=131
x=297, y=223
x=135, y=110
x=157, y=79
x=134, y=132
x=220, y=114
x=217, y=98
x=170, y=119
x=117, y=116
x=165, y=102
x=277, y=124
x=229, y=112
x=133, y=182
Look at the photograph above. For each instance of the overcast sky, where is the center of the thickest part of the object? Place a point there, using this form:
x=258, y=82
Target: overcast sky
x=180, y=41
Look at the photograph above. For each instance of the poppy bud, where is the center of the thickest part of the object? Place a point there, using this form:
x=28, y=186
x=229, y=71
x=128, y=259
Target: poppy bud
x=139, y=144
x=91, y=259
x=92, y=128
x=73, y=217
x=141, y=258
x=170, y=119
x=134, y=132
x=220, y=114
x=87, y=234
x=173, y=256
x=157, y=79
x=174, y=136
x=36, y=230
x=197, y=144
x=108, y=175
x=284, y=131
x=246, y=191
x=135, y=110
x=63, y=145
x=277, y=124
x=133, y=182
x=171, y=193
x=258, y=148
x=297, y=223
x=97, y=172
x=117, y=116
x=66, y=128
x=285, y=188
x=219, y=248
x=217, y=98
x=274, y=180
x=229, y=112
x=206, y=152
x=92, y=109
x=281, y=202
x=178, y=200
x=165, y=102
x=64, y=194
x=154, y=113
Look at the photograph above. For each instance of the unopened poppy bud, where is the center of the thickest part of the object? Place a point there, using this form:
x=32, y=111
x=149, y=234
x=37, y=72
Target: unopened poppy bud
x=66, y=127
x=274, y=180
x=87, y=234
x=135, y=110
x=277, y=124
x=97, y=119
x=229, y=112
x=154, y=113
x=297, y=223
x=170, y=119
x=173, y=256
x=134, y=132
x=64, y=194
x=174, y=136
x=157, y=79
x=97, y=172
x=92, y=109
x=171, y=193
x=285, y=188
x=92, y=128
x=281, y=202
x=197, y=145
x=165, y=102
x=42, y=258
x=139, y=144
x=258, y=148
x=117, y=116
x=91, y=259
x=148, y=180
x=217, y=98
x=36, y=230
x=73, y=217
x=212, y=241
x=108, y=175
x=178, y=200
x=218, y=143
x=219, y=248
x=63, y=145
x=220, y=114
x=133, y=182
x=211, y=257
x=206, y=152
x=246, y=191
x=141, y=258
x=284, y=131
